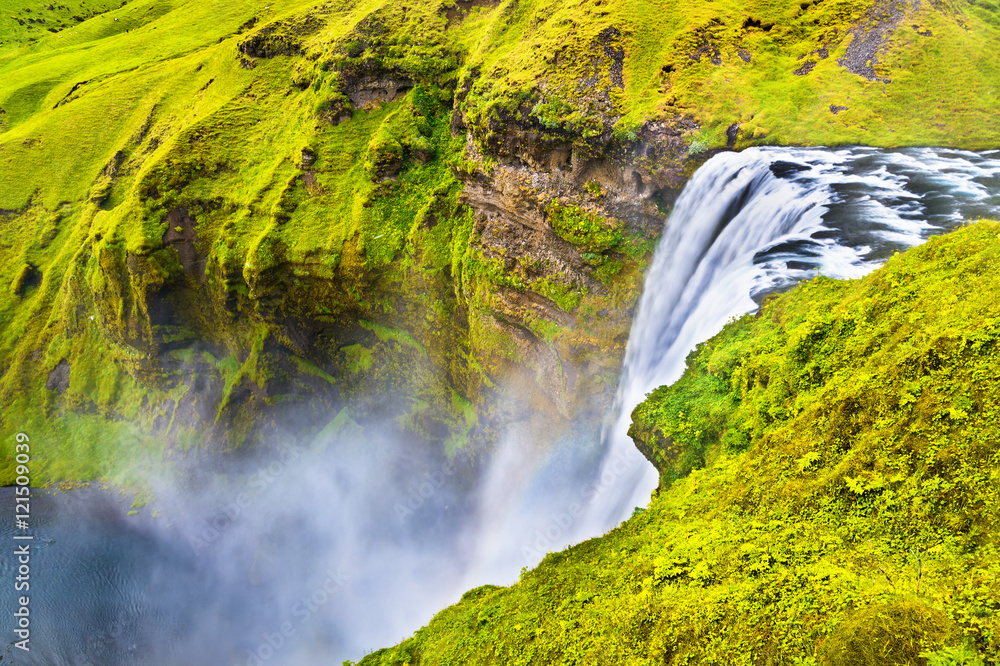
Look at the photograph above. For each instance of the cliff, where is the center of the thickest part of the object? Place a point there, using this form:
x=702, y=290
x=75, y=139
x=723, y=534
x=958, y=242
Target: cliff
x=226, y=221
x=829, y=494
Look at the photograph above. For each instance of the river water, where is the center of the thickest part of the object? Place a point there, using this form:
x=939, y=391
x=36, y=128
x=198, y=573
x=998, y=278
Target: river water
x=326, y=554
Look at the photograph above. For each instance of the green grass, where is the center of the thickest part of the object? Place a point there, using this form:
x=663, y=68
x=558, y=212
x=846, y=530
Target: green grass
x=852, y=521
x=24, y=21
x=138, y=110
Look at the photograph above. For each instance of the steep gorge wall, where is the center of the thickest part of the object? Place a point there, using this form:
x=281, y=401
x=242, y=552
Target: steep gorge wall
x=435, y=213
x=829, y=494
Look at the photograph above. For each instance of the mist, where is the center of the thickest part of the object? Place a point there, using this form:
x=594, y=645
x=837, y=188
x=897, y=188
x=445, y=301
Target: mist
x=301, y=554
x=317, y=553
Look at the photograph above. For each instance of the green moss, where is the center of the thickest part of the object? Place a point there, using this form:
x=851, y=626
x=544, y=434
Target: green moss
x=766, y=548
x=213, y=104
x=310, y=369
x=887, y=634
x=589, y=231
x=566, y=296
x=359, y=358
x=387, y=334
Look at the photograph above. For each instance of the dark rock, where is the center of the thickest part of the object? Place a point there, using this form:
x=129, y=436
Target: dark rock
x=311, y=183
x=374, y=89
x=731, y=132
x=756, y=23
x=247, y=25
x=181, y=235
x=335, y=111
x=111, y=168
x=423, y=156
x=610, y=39
x=58, y=379
x=801, y=248
x=805, y=68
x=870, y=36
x=783, y=169
x=29, y=277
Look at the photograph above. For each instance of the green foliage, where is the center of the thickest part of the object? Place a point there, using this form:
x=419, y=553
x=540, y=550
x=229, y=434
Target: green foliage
x=958, y=655
x=589, y=231
x=886, y=635
x=837, y=528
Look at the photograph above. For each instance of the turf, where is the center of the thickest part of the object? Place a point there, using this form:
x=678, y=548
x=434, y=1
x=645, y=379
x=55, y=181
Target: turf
x=156, y=107
x=849, y=519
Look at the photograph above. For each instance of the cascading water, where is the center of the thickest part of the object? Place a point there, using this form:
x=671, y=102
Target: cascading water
x=759, y=221
x=320, y=546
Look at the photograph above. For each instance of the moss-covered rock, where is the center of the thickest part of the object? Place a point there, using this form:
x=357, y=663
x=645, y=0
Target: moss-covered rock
x=853, y=522
x=487, y=179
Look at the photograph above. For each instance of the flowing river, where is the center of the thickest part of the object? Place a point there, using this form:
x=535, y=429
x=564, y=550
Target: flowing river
x=324, y=555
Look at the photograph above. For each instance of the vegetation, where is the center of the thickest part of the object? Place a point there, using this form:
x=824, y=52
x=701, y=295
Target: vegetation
x=851, y=521
x=250, y=180
x=219, y=219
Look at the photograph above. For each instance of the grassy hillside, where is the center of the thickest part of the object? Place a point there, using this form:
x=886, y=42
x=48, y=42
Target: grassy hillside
x=23, y=21
x=830, y=494
x=212, y=209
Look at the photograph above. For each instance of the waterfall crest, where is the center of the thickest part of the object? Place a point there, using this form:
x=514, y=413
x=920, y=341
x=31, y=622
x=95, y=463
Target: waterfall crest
x=759, y=221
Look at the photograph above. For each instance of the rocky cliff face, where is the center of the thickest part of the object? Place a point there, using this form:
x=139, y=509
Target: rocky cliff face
x=829, y=468
x=435, y=213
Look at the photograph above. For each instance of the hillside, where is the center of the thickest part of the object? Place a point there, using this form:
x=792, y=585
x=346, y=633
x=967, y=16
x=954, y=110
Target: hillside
x=829, y=494
x=225, y=220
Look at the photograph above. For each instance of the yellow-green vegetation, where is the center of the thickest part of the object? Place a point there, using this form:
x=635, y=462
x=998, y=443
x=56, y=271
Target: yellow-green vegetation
x=27, y=20
x=830, y=494
x=187, y=181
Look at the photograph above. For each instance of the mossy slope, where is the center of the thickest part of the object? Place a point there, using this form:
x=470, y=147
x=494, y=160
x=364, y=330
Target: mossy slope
x=852, y=520
x=200, y=199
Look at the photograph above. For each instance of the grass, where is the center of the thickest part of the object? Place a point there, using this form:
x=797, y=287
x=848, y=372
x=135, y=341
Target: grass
x=149, y=108
x=828, y=468
x=25, y=21
x=853, y=521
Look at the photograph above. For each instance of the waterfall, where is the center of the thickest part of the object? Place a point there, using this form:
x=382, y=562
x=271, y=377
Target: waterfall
x=356, y=545
x=759, y=221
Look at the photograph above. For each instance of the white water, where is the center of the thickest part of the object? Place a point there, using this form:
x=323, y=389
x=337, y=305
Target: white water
x=116, y=588
x=739, y=231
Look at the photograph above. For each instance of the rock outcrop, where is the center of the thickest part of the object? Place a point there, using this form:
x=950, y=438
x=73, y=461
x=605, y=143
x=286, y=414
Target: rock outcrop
x=436, y=214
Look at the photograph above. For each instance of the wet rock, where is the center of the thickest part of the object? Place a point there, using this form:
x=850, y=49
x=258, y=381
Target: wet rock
x=805, y=68
x=783, y=169
x=58, y=379
x=731, y=133
x=307, y=158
